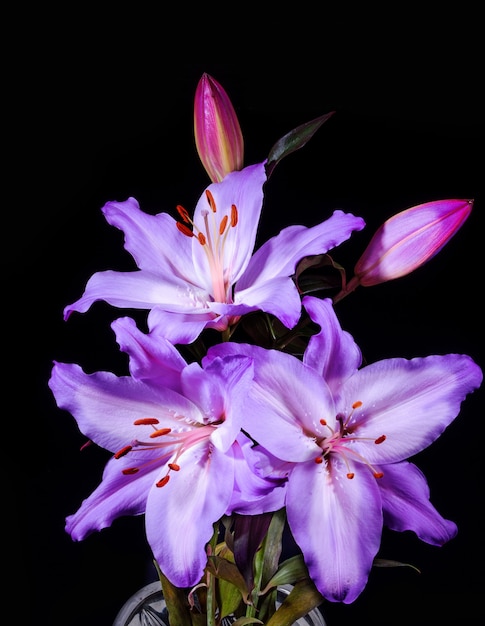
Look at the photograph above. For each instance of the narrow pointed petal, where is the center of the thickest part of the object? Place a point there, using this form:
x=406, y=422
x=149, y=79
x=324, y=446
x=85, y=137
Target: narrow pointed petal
x=405, y=500
x=326, y=513
x=409, y=239
x=187, y=507
x=332, y=352
x=156, y=361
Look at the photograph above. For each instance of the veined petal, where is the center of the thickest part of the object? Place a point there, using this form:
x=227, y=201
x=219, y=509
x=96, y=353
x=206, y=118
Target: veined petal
x=117, y=495
x=332, y=352
x=278, y=296
x=179, y=327
x=154, y=241
x=337, y=523
x=187, y=507
x=137, y=290
x=244, y=190
x=406, y=505
x=119, y=400
x=411, y=402
x=280, y=254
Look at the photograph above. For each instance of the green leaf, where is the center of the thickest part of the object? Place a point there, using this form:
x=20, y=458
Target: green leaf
x=294, y=140
x=318, y=272
x=390, y=563
x=242, y=621
x=290, y=571
x=223, y=569
x=303, y=598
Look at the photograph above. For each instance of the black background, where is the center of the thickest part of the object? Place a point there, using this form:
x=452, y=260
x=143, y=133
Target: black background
x=102, y=110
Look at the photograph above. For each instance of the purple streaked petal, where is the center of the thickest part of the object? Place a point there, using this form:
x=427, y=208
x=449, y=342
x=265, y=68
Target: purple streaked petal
x=411, y=402
x=280, y=254
x=332, y=352
x=325, y=514
x=156, y=361
x=180, y=515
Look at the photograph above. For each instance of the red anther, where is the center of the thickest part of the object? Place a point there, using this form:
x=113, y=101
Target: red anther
x=174, y=467
x=378, y=474
x=323, y=422
x=183, y=213
x=234, y=215
x=160, y=432
x=357, y=404
x=210, y=200
x=123, y=451
x=85, y=445
x=145, y=421
x=184, y=229
x=380, y=439
x=130, y=470
x=163, y=481
x=202, y=239
x=223, y=224
x=350, y=475
x=319, y=459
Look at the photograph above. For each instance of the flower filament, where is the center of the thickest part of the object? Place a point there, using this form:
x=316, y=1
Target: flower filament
x=212, y=237
x=337, y=442
x=171, y=445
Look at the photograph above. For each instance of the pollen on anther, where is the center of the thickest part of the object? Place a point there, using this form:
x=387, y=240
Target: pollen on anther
x=323, y=422
x=350, y=475
x=163, y=481
x=223, y=224
x=234, y=215
x=130, y=470
x=183, y=213
x=122, y=452
x=319, y=459
x=160, y=432
x=202, y=239
x=210, y=200
x=145, y=421
x=378, y=474
x=380, y=439
x=357, y=404
x=184, y=229
x=174, y=466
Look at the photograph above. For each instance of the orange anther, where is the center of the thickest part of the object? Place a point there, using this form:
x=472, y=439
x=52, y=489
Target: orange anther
x=145, y=421
x=183, y=213
x=174, y=467
x=350, y=475
x=234, y=215
x=184, y=230
x=160, y=432
x=130, y=470
x=323, y=422
x=210, y=200
x=357, y=404
x=223, y=224
x=319, y=459
x=202, y=239
x=162, y=482
x=378, y=474
x=122, y=452
x=380, y=439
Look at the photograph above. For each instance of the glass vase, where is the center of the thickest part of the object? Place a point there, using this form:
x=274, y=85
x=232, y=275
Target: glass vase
x=147, y=607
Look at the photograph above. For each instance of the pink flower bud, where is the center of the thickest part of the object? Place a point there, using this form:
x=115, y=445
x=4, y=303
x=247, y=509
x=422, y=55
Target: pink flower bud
x=218, y=136
x=409, y=239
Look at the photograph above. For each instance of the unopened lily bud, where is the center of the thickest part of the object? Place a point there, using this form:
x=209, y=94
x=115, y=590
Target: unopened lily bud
x=218, y=136
x=410, y=239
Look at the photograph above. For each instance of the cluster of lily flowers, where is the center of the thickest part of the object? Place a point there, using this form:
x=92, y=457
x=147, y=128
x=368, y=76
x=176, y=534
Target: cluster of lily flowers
x=273, y=422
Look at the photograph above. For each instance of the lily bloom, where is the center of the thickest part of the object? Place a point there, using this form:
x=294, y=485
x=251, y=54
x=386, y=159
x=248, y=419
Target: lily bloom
x=218, y=136
x=200, y=273
x=179, y=455
x=348, y=432
x=409, y=239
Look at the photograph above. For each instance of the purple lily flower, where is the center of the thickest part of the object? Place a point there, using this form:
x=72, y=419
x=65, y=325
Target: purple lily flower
x=200, y=273
x=347, y=432
x=179, y=454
